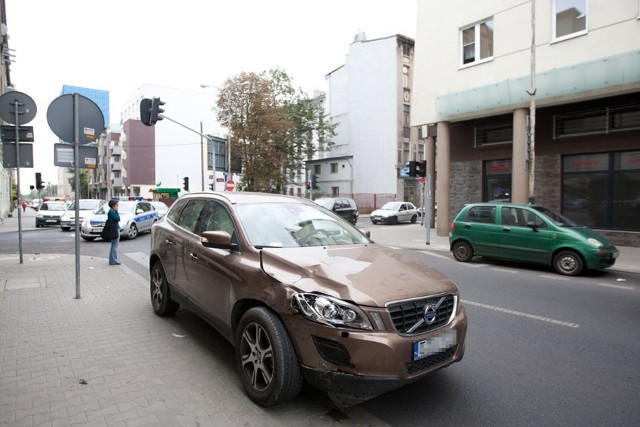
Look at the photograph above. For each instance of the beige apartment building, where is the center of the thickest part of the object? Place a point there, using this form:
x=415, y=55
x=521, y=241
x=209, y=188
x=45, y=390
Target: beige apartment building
x=532, y=101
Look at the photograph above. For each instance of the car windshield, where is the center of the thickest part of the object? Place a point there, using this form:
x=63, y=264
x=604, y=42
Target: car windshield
x=293, y=225
x=391, y=206
x=85, y=205
x=126, y=207
x=556, y=218
x=161, y=207
x=54, y=207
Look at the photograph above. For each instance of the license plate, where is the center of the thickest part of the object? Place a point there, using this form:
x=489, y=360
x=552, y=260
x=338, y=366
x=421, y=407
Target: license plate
x=96, y=230
x=433, y=345
x=51, y=220
x=615, y=254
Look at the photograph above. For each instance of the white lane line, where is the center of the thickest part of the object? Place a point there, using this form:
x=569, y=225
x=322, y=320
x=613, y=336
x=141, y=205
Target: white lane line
x=519, y=313
x=606, y=285
x=504, y=270
x=433, y=254
x=555, y=277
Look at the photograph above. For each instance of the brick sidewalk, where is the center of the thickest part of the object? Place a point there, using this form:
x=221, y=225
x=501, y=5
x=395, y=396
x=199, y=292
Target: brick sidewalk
x=107, y=360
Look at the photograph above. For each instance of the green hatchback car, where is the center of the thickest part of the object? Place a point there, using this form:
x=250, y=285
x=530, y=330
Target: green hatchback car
x=529, y=233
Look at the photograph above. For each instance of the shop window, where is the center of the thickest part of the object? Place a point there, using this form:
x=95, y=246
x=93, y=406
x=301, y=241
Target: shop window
x=497, y=181
x=491, y=135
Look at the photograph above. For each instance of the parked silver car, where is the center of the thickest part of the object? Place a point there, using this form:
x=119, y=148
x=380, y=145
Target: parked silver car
x=136, y=216
x=86, y=208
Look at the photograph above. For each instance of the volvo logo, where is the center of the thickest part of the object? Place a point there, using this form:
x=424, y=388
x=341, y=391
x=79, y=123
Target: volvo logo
x=430, y=314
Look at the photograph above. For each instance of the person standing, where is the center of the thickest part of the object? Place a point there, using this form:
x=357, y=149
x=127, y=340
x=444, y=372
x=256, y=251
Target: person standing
x=114, y=216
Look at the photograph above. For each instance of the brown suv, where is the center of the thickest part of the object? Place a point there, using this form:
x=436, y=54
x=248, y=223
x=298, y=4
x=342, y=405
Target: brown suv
x=303, y=295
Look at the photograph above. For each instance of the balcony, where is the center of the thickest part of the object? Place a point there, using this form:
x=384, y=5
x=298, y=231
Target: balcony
x=116, y=166
x=116, y=150
x=117, y=182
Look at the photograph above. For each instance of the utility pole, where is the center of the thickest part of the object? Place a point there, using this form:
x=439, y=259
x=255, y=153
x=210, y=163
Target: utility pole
x=532, y=108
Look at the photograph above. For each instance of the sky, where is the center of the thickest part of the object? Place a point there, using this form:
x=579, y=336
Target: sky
x=120, y=45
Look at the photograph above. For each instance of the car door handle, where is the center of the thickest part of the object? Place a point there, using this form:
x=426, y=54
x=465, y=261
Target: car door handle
x=193, y=256
x=506, y=228
x=168, y=242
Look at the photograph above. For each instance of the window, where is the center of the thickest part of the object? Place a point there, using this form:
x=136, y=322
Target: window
x=495, y=134
x=600, y=121
x=497, y=181
x=317, y=169
x=405, y=77
x=334, y=168
x=570, y=18
x=477, y=42
x=335, y=191
x=485, y=214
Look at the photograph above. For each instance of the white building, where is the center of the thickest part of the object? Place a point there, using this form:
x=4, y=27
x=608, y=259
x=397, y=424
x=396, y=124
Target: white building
x=369, y=98
x=475, y=94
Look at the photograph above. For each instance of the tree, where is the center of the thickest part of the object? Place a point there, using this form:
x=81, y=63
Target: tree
x=272, y=127
x=84, y=182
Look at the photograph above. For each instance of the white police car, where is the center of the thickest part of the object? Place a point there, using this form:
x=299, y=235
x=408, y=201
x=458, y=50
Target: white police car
x=136, y=216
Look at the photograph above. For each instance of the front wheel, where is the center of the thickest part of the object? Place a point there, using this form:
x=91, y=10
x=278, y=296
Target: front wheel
x=265, y=358
x=89, y=239
x=568, y=263
x=161, y=300
x=462, y=251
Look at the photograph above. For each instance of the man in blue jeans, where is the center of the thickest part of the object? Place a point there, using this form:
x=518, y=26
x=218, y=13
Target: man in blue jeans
x=113, y=215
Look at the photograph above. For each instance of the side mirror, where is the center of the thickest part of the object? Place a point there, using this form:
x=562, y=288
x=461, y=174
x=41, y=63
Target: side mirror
x=217, y=240
x=532, y=225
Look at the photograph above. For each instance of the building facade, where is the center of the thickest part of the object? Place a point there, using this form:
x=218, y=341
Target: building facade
x=533, y=101
x=369, y=98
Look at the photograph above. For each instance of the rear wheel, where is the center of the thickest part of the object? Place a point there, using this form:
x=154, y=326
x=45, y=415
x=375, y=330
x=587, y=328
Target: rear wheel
x=568, y=263
x=266, y=360
x=414, y=219
x=133, y=232
x=161, y=300
x=462, y=251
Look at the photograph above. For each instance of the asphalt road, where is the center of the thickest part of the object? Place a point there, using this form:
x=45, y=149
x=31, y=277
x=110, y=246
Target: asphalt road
x=541, y=349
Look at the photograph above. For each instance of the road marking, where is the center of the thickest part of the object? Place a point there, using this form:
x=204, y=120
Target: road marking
x=434, y=254
x=504, y=270
x=567, y=279
x=519, y=313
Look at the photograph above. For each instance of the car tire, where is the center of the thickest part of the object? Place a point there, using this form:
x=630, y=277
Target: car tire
x=414, y=219
x=132, y=233
x=89, y=239
x=65, y=228
x=354, y=220
x=393, y=220
x=161, y=301
x=462, y=251
x=374, y=221
x=266, y=359
x=568, y=263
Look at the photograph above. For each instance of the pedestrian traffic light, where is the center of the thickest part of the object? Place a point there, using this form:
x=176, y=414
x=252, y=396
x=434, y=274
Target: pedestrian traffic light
x=314, y=182
x=421, y=168
x=156, y=111
x=185, y=183
x=39, y=184
x=413, y=168
x=308, y=185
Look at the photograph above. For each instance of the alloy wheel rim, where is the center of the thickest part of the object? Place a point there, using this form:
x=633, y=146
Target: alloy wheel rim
x=257, y=356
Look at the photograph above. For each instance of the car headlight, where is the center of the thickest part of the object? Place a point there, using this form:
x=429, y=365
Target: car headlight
x=594, y=242
x=330, y=311
x=64, y=217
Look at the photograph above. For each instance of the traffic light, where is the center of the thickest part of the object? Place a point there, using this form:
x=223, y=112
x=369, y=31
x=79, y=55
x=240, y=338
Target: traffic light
x=185, y=183
x=308, y=185
x=156, y=111
x=39, y=184
x=421, y=168
x=150, y=111
x=211, y=186
x=314, y=182
x=145, y=111
x=413, y=168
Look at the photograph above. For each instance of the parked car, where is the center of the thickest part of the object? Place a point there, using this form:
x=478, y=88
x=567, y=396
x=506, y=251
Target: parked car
x=136, y=216
x=161, y=207
x=303, y=295
x=49, y=213
x=395, y=212
x=342, y=206
x=529, y=233
x=85, y=206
